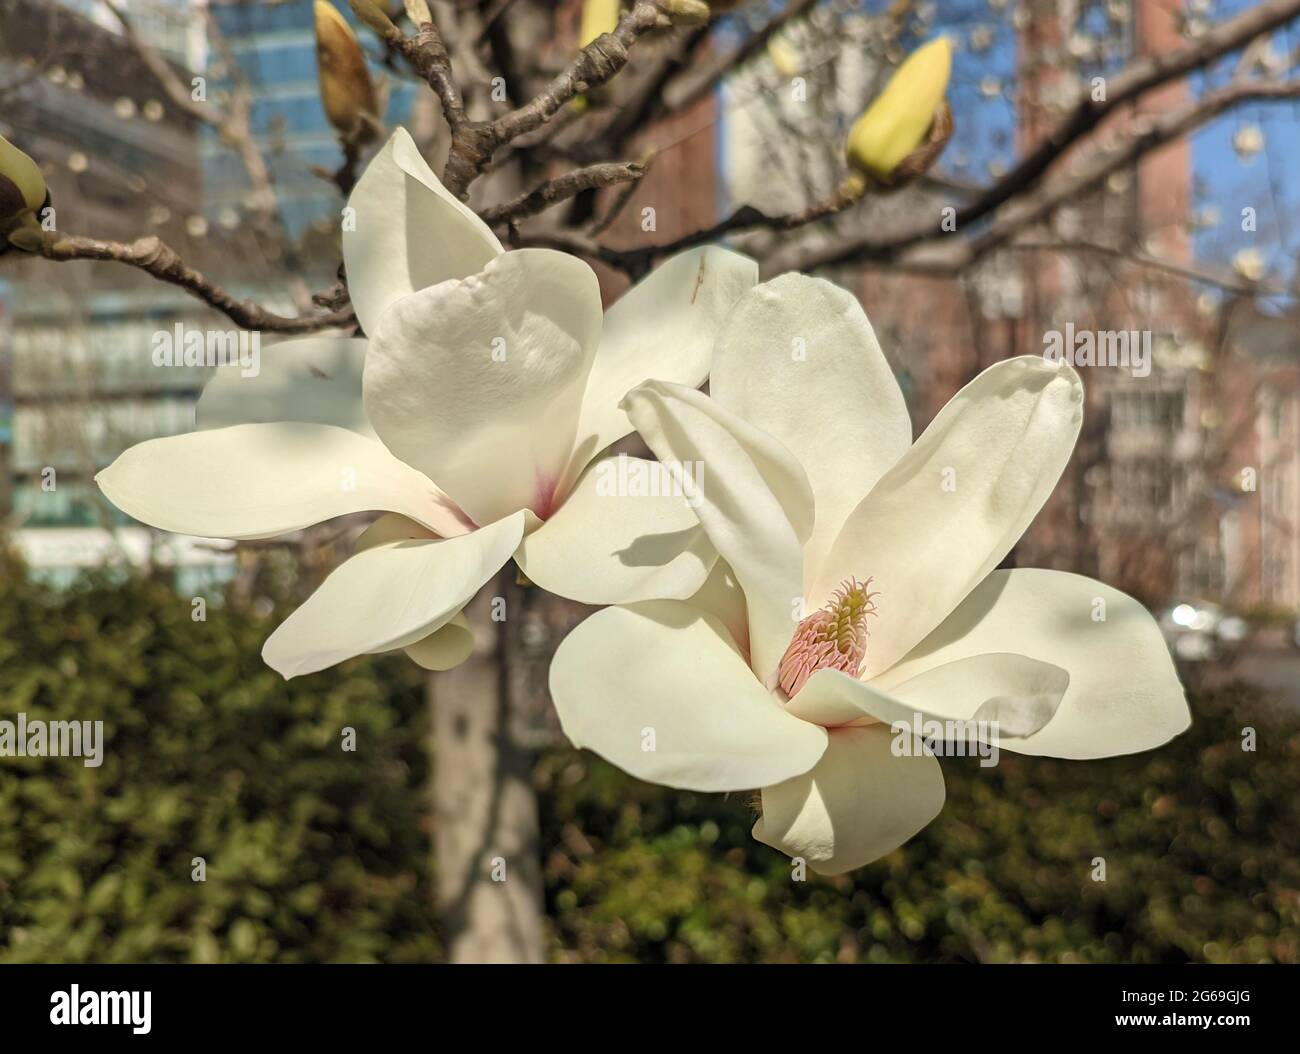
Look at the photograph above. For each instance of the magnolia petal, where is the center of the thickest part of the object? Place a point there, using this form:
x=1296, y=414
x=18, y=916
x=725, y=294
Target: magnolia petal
x=799, y=359
x=260, y=480
x=477, y=383
x=314, y=380
x=1124, y=695
x=407, y=232
x=391, y=527
x=722, y=597
x=606, y=546
x=858, y=803
x=444, y=648
x=390, y=596
x=1006, y=695
x=753, y=500
x=662, y=328
x=946, y=514
x=659, y=690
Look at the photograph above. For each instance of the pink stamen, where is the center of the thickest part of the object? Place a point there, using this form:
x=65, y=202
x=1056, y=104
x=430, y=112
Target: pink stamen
x=832, y=638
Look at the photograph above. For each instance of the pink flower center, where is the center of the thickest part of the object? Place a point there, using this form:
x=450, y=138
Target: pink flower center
x=832, y=638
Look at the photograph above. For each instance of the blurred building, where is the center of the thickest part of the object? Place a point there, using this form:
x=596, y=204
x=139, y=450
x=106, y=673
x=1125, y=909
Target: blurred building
x=1158, y=494
x=1258, y=503
x=170, y=27
x=79, y=382
x=274, y=46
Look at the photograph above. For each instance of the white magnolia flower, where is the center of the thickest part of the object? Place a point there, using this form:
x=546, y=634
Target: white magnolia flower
x=818, y=501
x=470, y=418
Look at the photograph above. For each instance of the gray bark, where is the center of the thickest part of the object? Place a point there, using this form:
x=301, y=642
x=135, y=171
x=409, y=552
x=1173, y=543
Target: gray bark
x=486, y=850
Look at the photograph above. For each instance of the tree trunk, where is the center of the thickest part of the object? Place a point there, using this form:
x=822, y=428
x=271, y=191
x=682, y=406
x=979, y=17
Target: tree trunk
x=486, y=849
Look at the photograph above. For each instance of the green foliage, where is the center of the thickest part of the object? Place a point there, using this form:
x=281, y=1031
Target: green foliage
x=1201, y=842
x=314, y=854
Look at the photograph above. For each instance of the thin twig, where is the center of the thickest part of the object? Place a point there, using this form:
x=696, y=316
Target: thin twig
x=950, y=253
x=687, y=87
x=637, y=261
x=1123, y=87
x=472, y=148
x=158, y=259
x=603, y=223
x=439, y=75
x=427, y=55
x=561, y=188
x=593, y=66
x=1226, y=282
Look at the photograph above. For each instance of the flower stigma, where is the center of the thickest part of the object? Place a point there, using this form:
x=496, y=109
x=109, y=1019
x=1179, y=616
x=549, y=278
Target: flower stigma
x=832, y=638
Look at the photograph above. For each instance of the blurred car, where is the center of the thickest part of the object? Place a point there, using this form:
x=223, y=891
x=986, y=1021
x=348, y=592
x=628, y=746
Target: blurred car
x=1199, y=631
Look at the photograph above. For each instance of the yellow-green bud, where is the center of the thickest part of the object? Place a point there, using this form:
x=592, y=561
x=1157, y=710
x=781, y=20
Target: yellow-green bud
x=783, y=56
x=372, y=15
x=898, y=122
x=22, y=187
x=26, y=235
x=418, y=12
x=688, y=12
x=346, y=91
x=598, y=16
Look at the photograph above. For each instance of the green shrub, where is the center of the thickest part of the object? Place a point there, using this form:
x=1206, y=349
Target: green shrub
x=1201, y=842
x=312, y=854
x=316, y=854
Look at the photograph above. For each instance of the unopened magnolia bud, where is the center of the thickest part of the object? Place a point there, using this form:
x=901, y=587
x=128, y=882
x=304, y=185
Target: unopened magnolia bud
x=22, y=187
x=598, y=17
x=1249, y=263
x=373, y=16
x=922, y=159
x=689, y=12
x=783, y=56
x=418, y=12
x=904, y=117
x=346, y=91
x=27, y=236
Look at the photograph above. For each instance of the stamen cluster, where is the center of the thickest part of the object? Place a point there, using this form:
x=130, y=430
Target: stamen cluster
x=833, y=637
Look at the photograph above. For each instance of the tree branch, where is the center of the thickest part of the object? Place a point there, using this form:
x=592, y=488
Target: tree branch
x=637, y=261
x=1125, y=86
x=594, y=65
x=474, y=143
x=949, y=253
x=1226, y=282
x=603, y=223
x=561, y=188
x=1035, y=206
x=688, y=87
x=426, y=53
x=158, y=259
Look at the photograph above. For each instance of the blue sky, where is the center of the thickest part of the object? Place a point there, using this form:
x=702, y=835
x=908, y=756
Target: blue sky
x=1267, y=182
